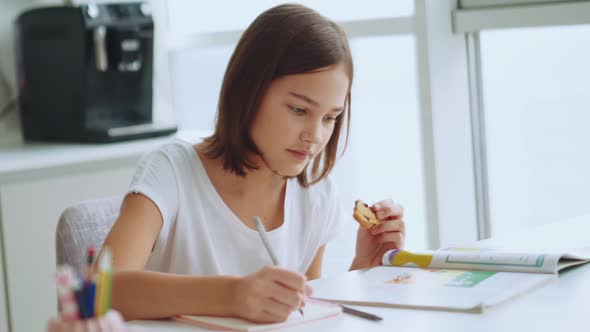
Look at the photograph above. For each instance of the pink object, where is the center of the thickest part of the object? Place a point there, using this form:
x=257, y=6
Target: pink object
x=66, y=283
x=114, y=321
x=111, y=322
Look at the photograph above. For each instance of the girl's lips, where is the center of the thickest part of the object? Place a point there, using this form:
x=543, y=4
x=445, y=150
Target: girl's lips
x=299, y=154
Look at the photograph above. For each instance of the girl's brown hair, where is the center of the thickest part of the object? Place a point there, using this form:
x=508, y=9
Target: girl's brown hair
x=284, y=40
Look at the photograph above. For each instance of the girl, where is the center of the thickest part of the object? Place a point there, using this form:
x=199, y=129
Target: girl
x=185, y=241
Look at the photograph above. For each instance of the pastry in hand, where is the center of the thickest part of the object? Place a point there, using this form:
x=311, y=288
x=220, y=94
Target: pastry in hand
x=364, y=215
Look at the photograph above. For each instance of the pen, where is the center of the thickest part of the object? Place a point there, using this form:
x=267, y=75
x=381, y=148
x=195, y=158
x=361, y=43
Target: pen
x=359, y=313
x=262, y=233
x=352, y=311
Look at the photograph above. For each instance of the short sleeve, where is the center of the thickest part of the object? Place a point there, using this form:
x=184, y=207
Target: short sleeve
x=155, y=178
x=334, y=218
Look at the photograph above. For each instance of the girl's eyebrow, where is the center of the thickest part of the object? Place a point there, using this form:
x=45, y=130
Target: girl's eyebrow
x=313, y=102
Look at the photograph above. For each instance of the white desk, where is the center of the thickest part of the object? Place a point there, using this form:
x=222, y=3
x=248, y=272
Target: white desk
x=562, y=305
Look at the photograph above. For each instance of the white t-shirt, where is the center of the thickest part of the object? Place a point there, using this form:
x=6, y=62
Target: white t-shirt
x=201, y=235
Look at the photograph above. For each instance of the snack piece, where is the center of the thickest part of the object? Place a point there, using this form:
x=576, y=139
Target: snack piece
x=364, y=215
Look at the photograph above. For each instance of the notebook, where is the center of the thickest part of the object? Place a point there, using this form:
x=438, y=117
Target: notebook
x=453, y=279
x=429, y=289
x=314, y=310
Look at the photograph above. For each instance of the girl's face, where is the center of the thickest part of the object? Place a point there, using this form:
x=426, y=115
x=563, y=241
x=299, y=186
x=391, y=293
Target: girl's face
x=297, y=116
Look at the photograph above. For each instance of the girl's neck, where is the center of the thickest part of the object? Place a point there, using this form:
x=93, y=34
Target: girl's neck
x=256, y=183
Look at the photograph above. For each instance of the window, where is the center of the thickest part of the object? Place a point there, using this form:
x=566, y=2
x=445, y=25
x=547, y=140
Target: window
x=189, y=17
x=537, y=111
x=197, y=77
x=528, y=68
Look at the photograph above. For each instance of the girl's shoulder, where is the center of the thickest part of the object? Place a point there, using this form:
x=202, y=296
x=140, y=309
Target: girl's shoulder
x=176, y=159
x=175, y=152
x=178, y=148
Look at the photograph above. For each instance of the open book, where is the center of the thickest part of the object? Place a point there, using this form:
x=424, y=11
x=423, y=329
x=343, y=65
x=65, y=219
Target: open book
x=454, y=279
x=314, y=310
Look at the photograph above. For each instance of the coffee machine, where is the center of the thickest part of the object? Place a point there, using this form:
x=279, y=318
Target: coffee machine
x=85, y=73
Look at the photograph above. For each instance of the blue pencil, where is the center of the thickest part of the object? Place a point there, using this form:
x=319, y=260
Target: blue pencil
x=89, y=293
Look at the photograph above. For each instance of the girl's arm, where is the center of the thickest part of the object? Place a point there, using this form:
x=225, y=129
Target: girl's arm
x=268, y=295
x=150, y=295
x=315, y=269
x=139, y=294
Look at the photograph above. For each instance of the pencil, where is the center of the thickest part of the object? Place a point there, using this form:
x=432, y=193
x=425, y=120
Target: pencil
x=89, y=286
x=102, y=302
x=262, y=233
x=106, y=266
x=89, y=261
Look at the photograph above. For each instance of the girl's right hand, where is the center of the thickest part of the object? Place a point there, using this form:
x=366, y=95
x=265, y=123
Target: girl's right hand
x=270, y=295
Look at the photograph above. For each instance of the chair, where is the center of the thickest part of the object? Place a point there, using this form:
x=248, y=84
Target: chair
x=83, y=224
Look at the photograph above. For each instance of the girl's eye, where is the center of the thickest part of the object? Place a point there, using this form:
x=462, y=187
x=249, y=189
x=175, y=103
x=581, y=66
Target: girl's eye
x=331, y=118
x=297, y=110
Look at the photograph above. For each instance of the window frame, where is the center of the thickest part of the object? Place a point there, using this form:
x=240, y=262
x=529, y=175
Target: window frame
x=501, y=14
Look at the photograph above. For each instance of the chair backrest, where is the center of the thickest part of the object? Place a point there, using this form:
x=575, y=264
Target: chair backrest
x=84, y=224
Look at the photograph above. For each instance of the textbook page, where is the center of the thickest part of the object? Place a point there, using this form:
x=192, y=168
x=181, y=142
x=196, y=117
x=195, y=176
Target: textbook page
x=486, y=260
x=314, y=310
x=433, y=289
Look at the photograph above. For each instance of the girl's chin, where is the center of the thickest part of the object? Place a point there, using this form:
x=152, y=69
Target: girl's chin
x=290, y=172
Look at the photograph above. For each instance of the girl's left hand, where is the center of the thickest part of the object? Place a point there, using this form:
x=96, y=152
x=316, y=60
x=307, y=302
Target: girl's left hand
x=389, y=234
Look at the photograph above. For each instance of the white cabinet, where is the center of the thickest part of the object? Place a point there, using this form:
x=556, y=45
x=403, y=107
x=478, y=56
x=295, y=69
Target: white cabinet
x=30, y=211
x=37, y=182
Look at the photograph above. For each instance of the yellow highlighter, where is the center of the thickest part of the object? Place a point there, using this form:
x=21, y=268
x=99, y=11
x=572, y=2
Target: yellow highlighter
x=104, y=284
x=398, y=257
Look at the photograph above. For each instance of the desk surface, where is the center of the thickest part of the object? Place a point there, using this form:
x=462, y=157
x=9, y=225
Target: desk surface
x=561, y=305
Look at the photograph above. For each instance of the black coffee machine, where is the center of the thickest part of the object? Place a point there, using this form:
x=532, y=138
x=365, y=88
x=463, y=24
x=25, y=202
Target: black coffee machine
x=85, y=73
